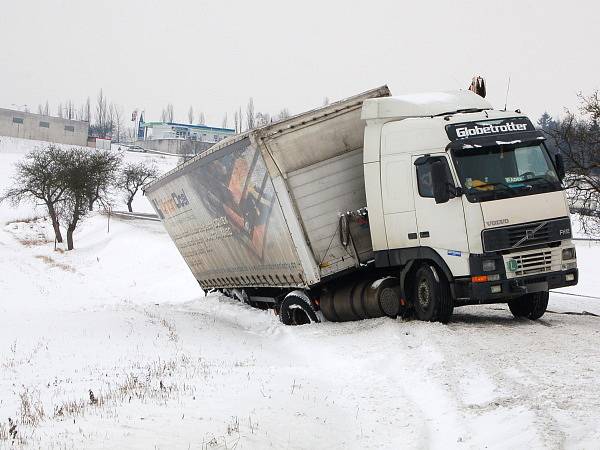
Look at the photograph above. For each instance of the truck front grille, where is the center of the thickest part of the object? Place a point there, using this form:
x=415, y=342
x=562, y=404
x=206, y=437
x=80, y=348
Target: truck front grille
x=533, y=262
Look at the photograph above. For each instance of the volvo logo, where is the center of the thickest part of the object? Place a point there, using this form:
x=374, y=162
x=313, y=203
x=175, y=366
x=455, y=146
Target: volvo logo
x=529, y=234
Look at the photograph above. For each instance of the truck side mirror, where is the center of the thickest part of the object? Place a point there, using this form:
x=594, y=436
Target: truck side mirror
x=560, y=166
x=440, y=182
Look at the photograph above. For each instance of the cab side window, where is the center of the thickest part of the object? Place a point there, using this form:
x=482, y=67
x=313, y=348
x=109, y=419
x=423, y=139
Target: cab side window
x=424, y=181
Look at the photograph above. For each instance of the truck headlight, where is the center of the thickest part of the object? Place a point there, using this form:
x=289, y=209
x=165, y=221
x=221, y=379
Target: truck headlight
x=489, y=265
x=568, y=253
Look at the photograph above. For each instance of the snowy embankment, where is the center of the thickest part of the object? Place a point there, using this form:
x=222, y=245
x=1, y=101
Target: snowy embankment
x=114, y=345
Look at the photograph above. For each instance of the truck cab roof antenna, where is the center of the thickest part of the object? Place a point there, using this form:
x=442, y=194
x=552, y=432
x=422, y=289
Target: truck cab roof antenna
x=507, y=90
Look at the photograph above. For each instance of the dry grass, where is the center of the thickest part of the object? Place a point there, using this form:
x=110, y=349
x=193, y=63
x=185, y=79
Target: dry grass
x=24, y=358
x=169, y=326
x=31, y=409
x=52, y=263
x=151, y=382
x=34, y=242
x=28, y=219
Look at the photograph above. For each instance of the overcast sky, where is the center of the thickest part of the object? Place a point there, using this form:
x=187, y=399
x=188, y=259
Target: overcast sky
x=214, y=55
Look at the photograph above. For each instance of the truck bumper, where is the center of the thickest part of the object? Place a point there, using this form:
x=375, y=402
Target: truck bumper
x=468, y=293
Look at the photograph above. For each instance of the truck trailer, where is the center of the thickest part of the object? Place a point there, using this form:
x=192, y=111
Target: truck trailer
x=376, y=205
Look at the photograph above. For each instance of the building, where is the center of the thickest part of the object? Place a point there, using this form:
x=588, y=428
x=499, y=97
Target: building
x=179, y=138
x=43, y=128
x=170, y=130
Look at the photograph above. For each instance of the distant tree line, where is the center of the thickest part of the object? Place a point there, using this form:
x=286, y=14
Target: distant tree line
x=576, y=136
x=69, y=182
x=108, y=120
x=242, y=121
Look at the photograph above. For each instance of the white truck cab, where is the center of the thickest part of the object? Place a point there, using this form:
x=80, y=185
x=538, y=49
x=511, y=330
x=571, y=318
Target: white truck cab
x=472, y=190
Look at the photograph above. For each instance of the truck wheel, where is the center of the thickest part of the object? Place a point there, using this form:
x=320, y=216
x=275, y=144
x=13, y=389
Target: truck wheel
x=296, y=309
x=532, y=306
x=432, y=300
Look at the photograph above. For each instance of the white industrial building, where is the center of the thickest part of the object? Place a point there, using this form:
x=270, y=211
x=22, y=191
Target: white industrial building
x=39, y=127
x=170, y=130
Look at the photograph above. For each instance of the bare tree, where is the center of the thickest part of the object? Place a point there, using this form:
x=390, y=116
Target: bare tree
x=69, y=110
x=46, y=109
x=170, y=115
x=577, y=138
x=102, y=125
x=102, y=166
x=236, y=122
x=119, y=122
x=40, y=177
x=201, y=119
x=75, y=203
x=262, y=119
x=133, y=177
x=59, y=110
x=40, y=109
x=87, y=111
x=83, y=173
x=283, y=114
x=326, y=101
x=250, y=122
x=191, y=115
x=224, y=122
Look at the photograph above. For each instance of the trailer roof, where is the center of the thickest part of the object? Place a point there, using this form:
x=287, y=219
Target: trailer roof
x=425, y=104
x=277, y=130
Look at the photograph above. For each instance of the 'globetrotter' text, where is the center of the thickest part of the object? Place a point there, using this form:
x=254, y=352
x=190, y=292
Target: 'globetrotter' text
x=490, y=129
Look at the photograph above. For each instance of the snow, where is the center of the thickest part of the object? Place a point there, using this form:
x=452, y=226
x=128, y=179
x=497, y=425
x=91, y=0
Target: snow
x=171, y=368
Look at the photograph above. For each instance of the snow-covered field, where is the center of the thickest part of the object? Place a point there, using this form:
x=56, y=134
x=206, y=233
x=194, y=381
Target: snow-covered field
x=114, y=345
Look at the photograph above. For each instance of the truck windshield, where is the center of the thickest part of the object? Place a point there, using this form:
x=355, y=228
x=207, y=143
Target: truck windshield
x=507, y=170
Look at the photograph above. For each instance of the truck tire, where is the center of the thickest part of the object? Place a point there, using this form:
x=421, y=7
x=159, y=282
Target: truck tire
x=432, y=299
x=295, y=309
x=531, y=306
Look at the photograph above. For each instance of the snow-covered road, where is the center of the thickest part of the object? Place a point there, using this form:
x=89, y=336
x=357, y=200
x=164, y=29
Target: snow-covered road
x=114, y=346
x=123, y=307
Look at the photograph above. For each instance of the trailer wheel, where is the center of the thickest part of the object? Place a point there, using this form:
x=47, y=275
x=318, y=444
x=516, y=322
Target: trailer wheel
x=295, y=309
x=432, y=300
x=531, y=306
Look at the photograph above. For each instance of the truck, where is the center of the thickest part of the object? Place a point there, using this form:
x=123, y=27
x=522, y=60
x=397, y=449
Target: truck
x=376, y=205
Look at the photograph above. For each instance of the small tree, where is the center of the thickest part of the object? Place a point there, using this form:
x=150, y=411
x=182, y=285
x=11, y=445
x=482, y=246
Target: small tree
x=78, y=175
x=40, y=178
x=103, y=166
x=133, y=177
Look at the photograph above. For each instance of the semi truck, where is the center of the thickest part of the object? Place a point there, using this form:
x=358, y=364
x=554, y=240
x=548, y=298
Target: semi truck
x=376, y=205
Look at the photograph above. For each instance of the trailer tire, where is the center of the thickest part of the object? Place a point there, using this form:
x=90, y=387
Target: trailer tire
x=295, y=309
x=531, y=306
x=431, y=299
